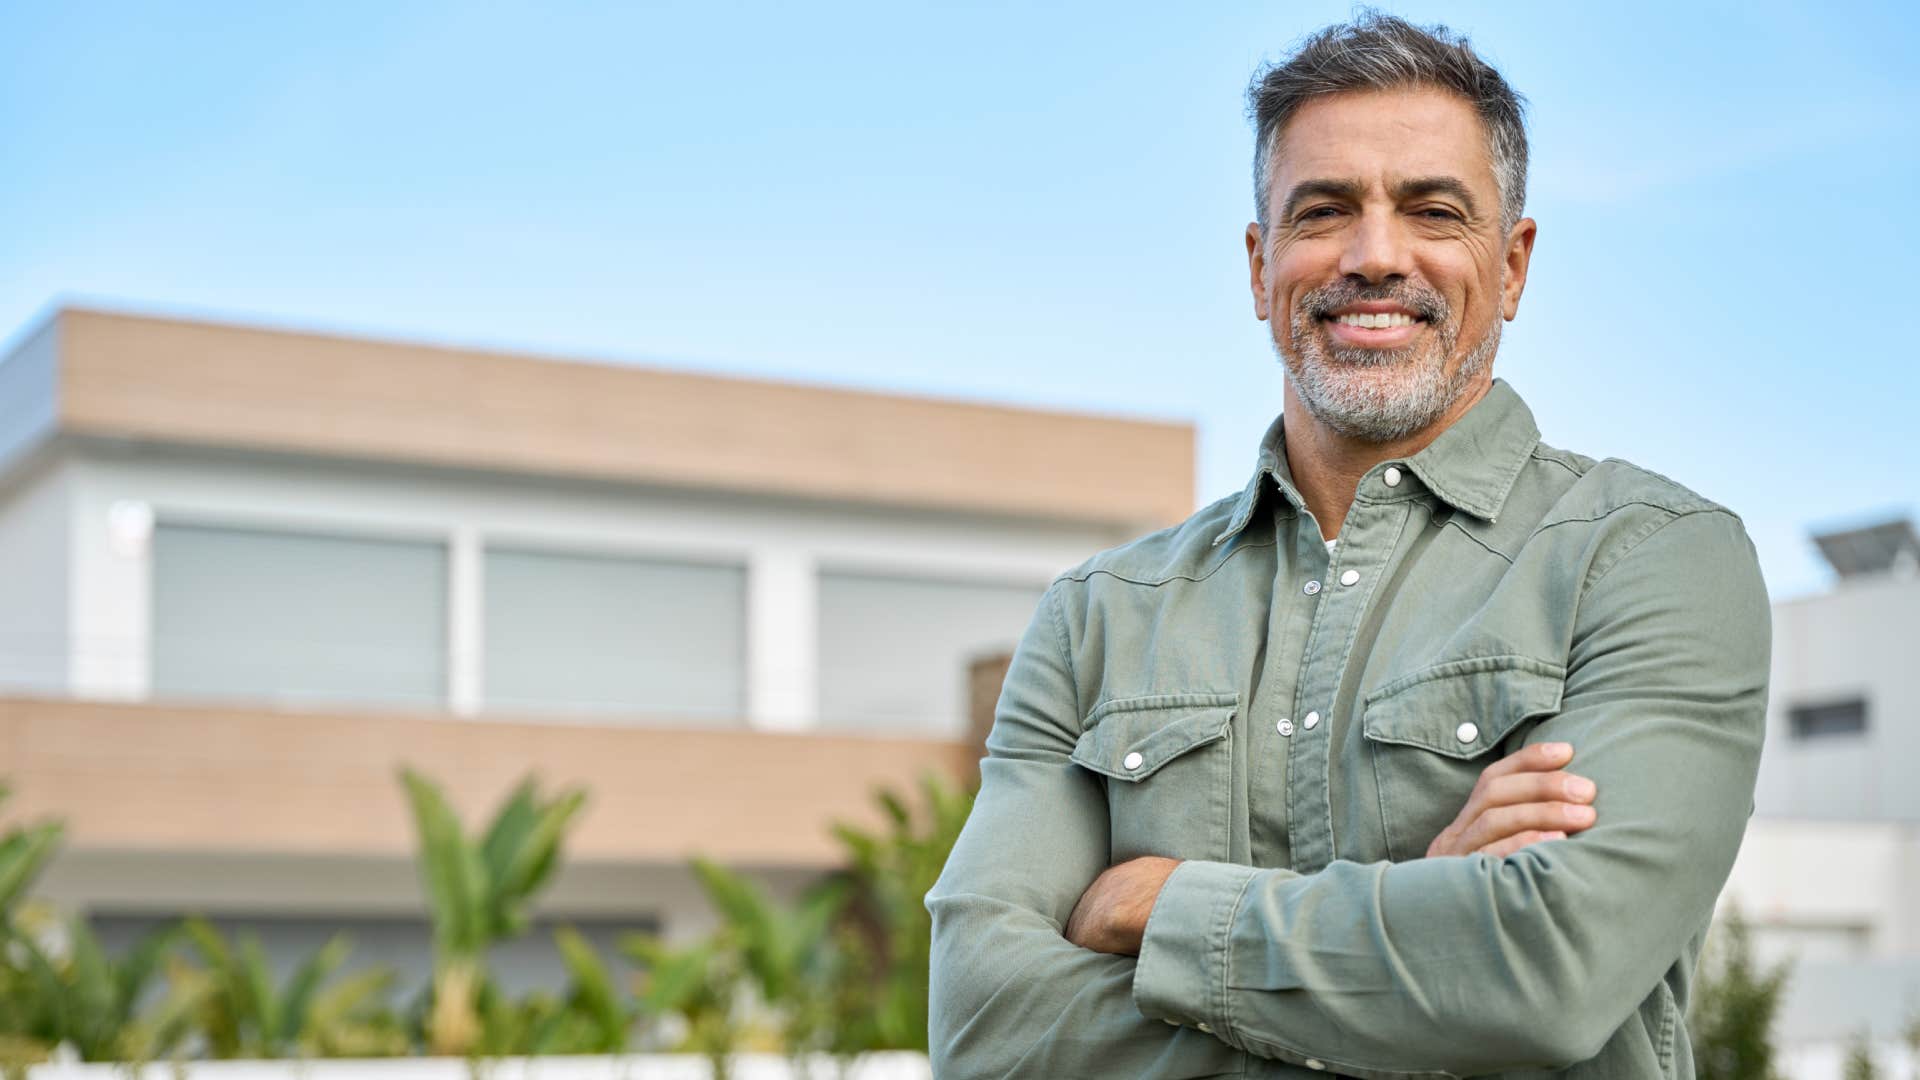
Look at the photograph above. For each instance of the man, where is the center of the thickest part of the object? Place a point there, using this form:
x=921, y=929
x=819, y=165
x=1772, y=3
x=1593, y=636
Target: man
x=1279, y=791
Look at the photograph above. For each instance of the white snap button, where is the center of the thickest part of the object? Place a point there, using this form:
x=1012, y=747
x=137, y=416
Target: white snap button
x=1310, y=719
x=1391, y=476
x=1350, y=577
x=1310, y=588
x=1316, y=1063
x=1285, y=727
x=1466, y=732
x=1133, y=760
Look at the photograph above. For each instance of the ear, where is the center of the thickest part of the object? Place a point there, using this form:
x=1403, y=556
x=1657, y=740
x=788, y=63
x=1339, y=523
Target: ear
x=1519, y=255
x=1257, y=269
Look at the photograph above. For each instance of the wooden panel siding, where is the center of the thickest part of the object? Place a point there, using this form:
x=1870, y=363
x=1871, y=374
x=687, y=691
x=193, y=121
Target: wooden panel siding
x=229, y=780
x=139, y=377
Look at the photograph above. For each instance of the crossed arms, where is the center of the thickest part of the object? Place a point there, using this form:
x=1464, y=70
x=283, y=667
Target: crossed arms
x=1456, y=965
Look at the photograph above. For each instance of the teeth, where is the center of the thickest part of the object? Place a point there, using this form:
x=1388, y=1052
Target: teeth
x=1378, y=321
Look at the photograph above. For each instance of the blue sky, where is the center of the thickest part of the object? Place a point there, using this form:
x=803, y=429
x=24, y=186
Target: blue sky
x=992, y=202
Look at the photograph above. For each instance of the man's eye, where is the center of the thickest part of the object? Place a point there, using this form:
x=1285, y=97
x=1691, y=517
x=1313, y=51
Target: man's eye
x=1447, y=214
x=1316, y=212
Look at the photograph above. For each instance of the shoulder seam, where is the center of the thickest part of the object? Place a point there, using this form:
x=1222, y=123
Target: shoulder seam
x=1092, y=570
x=1539, y=446
x=1490, y=549
x=1705, y=506
x=1594, y=579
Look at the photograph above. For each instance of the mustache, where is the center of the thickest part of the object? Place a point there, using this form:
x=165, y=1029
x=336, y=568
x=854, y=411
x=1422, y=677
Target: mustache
x=1321, y=303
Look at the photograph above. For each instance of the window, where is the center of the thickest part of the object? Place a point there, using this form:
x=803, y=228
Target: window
x=264, y=615
x=1834, y=718
x=609, y=633
x=894, y=650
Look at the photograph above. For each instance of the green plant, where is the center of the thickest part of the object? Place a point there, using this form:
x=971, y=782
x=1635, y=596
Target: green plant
x=593, y=1017
x=697, y=983
x=241, y=1013
x=82, y=997
x=1731, y=1019
x=1859, y=1064
x=24, y=852
x=479, y=891
x=890, y=873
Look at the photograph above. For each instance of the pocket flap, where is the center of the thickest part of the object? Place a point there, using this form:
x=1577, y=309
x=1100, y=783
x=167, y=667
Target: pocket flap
x=1132, y=738
x=1463, y=708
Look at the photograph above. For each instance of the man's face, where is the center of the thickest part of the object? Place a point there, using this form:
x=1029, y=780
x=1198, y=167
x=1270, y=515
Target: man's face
x=1384, y=202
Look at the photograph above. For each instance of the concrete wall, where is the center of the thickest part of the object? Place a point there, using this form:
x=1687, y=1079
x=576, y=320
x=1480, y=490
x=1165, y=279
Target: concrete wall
x=34, y=582
x=29, y=394
x=1860, y=639
x=1829, y=891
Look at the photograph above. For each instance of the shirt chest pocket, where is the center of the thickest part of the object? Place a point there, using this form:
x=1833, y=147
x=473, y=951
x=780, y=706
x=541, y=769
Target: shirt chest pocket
x=1167, y=760
x=1432, y=731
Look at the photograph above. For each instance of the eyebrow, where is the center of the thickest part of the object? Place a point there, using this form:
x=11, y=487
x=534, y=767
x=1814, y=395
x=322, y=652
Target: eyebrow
x=1352, y=190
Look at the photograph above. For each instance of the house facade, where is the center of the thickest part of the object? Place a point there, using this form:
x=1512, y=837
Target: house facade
x=248, y=574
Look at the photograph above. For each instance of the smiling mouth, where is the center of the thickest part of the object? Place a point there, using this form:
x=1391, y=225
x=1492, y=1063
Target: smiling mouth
x=1382, y=330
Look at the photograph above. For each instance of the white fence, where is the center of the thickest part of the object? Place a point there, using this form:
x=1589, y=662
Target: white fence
x=1827, y=1061
x=888, y=1066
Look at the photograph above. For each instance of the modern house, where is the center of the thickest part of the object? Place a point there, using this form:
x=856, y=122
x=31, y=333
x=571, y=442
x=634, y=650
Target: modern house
x=1829, y=872
x=246, y=574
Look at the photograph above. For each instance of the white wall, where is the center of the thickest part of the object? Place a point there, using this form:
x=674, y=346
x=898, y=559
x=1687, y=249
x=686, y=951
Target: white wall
x=29, y=397
x=34, y=567
x=1816, y=886
x=1857, y=640
x=781, y=542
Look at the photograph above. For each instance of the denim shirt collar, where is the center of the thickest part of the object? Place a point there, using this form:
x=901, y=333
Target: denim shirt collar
x=1470, y=466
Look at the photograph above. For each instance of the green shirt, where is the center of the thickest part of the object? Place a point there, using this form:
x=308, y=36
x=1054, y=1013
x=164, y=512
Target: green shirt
x=1298, y=724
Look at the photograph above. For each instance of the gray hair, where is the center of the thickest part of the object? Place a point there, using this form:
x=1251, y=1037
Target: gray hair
x=1385, y=52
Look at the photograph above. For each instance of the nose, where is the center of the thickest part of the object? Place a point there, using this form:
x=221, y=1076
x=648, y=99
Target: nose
x=1377, y=248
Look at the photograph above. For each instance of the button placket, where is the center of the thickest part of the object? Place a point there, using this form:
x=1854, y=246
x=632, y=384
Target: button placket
x=1369, y=537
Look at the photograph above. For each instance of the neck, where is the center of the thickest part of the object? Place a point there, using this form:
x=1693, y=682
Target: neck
x=1327, y=466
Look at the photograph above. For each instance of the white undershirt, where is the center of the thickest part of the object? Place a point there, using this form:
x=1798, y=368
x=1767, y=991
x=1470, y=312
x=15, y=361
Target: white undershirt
x=1330, y=544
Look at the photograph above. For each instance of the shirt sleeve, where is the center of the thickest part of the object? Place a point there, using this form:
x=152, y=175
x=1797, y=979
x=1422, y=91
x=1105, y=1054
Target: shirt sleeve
x=1474, y=964
x=1009, y=995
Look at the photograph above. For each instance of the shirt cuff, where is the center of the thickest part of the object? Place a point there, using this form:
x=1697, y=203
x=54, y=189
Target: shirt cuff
x=1182, y=973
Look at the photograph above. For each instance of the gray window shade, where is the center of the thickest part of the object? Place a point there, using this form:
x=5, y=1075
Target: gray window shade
x=894, y=650
x=293, y=617
x=576, y=632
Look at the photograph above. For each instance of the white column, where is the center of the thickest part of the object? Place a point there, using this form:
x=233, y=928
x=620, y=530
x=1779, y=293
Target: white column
x=783, y=686
x=464, y=626
x=111, y=573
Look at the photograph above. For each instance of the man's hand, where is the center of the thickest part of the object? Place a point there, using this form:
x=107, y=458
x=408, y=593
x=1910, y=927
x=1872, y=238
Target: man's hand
x=1521, y=799
x=1111, y=916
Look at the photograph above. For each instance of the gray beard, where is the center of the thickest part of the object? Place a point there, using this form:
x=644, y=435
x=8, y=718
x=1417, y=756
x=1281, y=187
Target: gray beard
x=1380, y=395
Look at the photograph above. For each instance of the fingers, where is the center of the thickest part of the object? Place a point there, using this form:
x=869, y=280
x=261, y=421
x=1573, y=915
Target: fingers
x=1500, y=822
x=1518, y=800
x=1533, y=757
x=1519, y=840
x=1524, y=787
